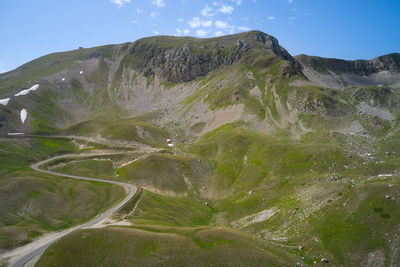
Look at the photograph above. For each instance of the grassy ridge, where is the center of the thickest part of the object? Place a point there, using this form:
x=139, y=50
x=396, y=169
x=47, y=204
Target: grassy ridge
x=128, y=129
x=126, y=246
x=172, y=174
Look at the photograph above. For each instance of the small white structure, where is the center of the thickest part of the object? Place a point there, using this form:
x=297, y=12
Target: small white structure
x=170, y=145
x=4, y=101
x=168, y=140
x=23, y=115
x=27, y=91
x=15, y=133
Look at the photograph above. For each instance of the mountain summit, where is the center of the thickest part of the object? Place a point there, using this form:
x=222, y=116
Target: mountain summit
x=242, y=154
x=82, y=84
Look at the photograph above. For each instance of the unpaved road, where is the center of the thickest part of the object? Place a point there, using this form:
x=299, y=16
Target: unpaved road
x=22, y=255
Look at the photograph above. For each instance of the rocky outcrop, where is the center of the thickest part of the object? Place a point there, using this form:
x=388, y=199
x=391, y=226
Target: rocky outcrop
x=184, y=59
x=389, y=62
x=337, y=73
x=376, y=97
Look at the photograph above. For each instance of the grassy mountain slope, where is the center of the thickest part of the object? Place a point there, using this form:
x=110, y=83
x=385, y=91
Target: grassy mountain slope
x=293, y=157
x=32, y=203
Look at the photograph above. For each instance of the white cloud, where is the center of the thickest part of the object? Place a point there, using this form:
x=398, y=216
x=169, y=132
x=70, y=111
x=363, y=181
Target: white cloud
x=120, y=3
x=243, y=28
x=158, y=3
x=271, y=17
x=226, y=9
x=201, y=33
x=207, y=11
x=221, y=24
x=156, y=32
x=139, y=11
x=218, y=33
x=290, y=1
x=153, y=14
x=206, y=23
x=180, y=20
x=134, y=21
x=238, y=2
x=197, y=22
x=182, y=32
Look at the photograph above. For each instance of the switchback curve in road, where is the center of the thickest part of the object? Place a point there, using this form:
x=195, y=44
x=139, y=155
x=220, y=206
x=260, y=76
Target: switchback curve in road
x=36, y=250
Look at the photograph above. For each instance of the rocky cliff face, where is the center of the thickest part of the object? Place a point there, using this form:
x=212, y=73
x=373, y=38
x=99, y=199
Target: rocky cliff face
x=389, y=62
x=246, y=71
x=191, y=58
x=330, y=72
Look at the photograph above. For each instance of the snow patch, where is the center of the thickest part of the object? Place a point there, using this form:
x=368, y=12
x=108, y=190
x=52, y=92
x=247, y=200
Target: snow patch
x=4, y=101
x=63, y=79
x=170, y=145
x=23, y=115
x=81, y=72
x=27, y=91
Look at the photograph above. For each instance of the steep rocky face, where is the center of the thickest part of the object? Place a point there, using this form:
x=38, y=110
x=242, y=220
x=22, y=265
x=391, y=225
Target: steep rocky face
x=389, y=62
x=330, y=72
x=247, y=76
x=191, y=57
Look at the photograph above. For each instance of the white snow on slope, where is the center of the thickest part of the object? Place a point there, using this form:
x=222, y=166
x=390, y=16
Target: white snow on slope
x=27, y=91
x=81, y=72
x=23, y=115
x=4, y=101
x=63, y=79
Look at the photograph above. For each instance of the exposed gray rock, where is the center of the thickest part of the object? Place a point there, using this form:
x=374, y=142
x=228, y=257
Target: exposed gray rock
x=376, y=97
x=338, y=73
x=324, y=260
x=193, y=57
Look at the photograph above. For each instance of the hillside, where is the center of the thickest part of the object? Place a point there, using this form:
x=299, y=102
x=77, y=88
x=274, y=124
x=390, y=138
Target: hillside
x=243, y=153
x=336, y=73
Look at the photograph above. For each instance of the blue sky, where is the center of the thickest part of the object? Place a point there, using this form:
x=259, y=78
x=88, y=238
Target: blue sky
x=351, y=29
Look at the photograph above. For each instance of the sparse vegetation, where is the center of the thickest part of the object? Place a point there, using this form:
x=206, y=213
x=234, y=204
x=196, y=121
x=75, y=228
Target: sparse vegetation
x=242, y=161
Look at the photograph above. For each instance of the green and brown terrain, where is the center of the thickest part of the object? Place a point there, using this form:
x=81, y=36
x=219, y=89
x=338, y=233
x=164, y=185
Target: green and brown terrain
x=271, y=159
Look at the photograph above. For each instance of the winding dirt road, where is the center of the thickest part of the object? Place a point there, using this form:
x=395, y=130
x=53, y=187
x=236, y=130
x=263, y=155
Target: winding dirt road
x=35, y=248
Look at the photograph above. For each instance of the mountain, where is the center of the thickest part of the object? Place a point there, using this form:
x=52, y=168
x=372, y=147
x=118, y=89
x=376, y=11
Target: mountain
x=336, y=73
x=270, y=158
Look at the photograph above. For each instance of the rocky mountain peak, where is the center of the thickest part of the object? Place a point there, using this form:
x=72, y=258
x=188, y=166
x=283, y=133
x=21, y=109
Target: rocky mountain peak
x=185, y=58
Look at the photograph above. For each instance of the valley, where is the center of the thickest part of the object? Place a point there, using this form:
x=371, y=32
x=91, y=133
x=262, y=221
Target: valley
x=241, y=155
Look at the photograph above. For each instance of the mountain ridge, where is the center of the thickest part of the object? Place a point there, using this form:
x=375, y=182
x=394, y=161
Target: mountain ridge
x=298, y=157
